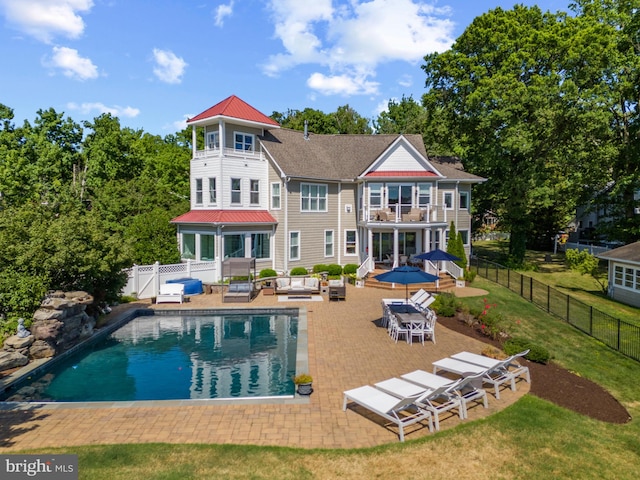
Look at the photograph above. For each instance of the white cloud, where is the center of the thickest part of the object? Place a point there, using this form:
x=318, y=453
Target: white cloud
x=356, y=36
x=100, y=108
x=406, y=81
x=221, y=12
x=45, y=19
x=169, y=67
x=72, y=64
x=341, y=84
x=179, y=125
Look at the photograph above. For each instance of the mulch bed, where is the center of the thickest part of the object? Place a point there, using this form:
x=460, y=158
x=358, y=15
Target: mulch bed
x=556, y=384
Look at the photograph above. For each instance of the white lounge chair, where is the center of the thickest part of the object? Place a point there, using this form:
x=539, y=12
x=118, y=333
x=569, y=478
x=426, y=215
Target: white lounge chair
x=171, y=292
x=426, y=379
x=399, y=411
x=413, y=300
x=457, y=366
x=442, y=400
x=468, y=391
x=507, y=372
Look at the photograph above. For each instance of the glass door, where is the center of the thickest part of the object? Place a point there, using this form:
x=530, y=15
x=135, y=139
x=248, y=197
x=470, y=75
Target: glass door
x=382, y=246
x=400, y=198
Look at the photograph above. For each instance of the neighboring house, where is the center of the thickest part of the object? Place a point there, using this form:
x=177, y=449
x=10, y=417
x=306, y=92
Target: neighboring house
x=624, y=273
x=292, y=198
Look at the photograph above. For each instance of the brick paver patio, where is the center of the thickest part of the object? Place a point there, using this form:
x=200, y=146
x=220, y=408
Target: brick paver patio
x=346, y=350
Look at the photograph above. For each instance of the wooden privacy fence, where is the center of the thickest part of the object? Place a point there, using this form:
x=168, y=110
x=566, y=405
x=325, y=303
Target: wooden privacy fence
x=613, y=332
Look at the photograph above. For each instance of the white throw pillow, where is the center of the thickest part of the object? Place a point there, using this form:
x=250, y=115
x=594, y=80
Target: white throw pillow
x=297, y=283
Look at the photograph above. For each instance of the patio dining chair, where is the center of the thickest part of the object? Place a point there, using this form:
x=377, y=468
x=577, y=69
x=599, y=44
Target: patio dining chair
x=398, y=330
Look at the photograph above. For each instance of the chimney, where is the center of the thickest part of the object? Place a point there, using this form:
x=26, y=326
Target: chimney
x=306, y=130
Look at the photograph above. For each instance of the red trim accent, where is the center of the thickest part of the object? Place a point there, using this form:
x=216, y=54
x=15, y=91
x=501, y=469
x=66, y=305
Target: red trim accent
x=225, y=217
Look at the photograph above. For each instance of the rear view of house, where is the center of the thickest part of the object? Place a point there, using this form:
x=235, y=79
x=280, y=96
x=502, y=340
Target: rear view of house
x=289, y=198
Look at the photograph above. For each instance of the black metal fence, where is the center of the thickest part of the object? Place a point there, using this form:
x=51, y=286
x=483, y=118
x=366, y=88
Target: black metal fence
x=613, y=332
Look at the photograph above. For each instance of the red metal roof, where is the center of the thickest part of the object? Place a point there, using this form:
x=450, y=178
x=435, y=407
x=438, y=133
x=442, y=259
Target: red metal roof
x=225, y=217
x=401, y=173
x=235, y=108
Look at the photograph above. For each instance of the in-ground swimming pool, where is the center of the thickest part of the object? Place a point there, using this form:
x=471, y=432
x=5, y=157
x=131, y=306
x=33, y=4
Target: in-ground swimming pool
x=178, y=357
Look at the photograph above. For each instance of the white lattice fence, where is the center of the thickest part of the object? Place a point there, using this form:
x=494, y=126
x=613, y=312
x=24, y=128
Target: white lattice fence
x=144, y=280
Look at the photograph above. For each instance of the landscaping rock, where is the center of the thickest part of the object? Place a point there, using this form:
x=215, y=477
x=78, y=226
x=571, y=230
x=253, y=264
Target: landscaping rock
x=9, y=360
x=41, y=349
x=15, y=342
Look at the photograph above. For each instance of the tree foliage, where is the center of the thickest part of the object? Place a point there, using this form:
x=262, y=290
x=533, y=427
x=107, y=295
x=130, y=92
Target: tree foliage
x=78, y=204
x=516, y=94
x=345, y=120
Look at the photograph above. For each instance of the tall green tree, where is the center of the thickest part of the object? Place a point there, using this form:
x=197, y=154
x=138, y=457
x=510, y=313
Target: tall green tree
x=516, y=116
x=345, y=120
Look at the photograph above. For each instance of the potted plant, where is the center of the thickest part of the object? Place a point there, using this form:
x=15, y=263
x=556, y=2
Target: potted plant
x=304, y=383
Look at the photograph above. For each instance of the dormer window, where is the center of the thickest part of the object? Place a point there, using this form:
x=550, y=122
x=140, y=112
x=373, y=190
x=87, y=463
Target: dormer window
x=243, y=141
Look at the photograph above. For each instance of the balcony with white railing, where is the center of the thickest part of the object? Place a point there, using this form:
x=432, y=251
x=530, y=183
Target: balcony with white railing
x=228, y=153
x=404, y=214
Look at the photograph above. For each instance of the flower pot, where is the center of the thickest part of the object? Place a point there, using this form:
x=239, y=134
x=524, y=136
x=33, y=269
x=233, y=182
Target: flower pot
x=305, y=388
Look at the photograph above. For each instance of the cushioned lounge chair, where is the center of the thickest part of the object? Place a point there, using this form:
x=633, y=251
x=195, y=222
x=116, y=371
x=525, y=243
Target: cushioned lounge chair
x=399, y=411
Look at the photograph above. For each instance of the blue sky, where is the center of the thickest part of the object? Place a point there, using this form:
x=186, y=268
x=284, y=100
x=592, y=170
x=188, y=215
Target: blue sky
x=153, y=63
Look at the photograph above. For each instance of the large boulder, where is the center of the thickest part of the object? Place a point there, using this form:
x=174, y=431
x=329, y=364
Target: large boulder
x=9, y=360
x=14, y=342
x=41, y=349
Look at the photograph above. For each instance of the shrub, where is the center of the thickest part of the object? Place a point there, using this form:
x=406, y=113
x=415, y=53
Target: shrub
x=470, y=275
x=350, y=268
x=302, y=378
x=334, y=269
x=495, y=325
x=536, y=353
x=446, y=305
x=319, y=268
x=298, y=271
x=268, y=272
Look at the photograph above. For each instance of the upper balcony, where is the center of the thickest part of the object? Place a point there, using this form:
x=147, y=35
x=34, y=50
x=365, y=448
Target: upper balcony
x=227, y=153
x=396, y=214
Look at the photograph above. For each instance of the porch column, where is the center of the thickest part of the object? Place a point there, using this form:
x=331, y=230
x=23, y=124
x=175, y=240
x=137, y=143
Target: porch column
x=370, y=249
x=426, y=240
x=395, y=246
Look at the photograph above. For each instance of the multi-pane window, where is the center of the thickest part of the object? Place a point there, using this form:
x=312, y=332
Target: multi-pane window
x=198, y=191
x=236, y=192
x=328, y=243
x=207, y=247
x=234, y=245
x=213, y=140
x=464, y=200
x=448, y=200
x=254, y=191
x=260, y=246
x=350, y=242
x=213, y=197
x=243, y=141
x=275, y=196
x=424, y=194
x=189, y=245
x=617, y=275
x=294, y=245
x=313, y=197
x=375, y=195
x=465, y=236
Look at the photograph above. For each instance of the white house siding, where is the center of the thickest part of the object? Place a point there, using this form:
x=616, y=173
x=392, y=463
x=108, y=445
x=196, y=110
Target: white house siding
x=279, y=239
x=399, y=158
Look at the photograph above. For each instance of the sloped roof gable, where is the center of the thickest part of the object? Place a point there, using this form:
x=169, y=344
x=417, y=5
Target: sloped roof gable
x=225, y=217
x=234, y=107
x=626, y=253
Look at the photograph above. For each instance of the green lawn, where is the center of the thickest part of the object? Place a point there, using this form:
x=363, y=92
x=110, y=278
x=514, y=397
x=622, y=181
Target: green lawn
x=532, y=439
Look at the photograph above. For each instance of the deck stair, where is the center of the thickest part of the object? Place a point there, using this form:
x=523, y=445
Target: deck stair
x=446, y=283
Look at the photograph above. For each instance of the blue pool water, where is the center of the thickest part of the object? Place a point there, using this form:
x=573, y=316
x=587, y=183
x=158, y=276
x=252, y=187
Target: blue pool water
x=179, y=357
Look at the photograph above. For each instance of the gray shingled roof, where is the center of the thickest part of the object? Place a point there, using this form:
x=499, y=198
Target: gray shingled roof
x=341, y=157
x=627, y=253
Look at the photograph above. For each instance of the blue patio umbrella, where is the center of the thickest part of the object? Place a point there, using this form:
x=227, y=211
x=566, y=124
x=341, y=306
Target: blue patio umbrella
x=406, y=276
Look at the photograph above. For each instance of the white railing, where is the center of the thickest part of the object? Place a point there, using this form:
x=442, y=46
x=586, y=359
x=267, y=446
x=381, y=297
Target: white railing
x=227, y=152
x=592, y=249
x=428, y=214
x=144, y=280
x=366, y=267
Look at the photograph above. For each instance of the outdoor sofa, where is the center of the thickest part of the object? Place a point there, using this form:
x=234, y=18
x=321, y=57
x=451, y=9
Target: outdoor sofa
x=297, y=285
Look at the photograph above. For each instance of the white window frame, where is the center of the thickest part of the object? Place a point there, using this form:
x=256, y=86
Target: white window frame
x=238, y=191
x=213, y=193
x=244, y=143
x=295, y=244
x=318, y=198
x=275, y=196
x=193, y=254
x=254, y=195
x=199, y=197
x=330, y=243
x=379, y=195
x=348, y=244
x=213, y=140
x=444, y=200
x=420, y=195
x=464, y=195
